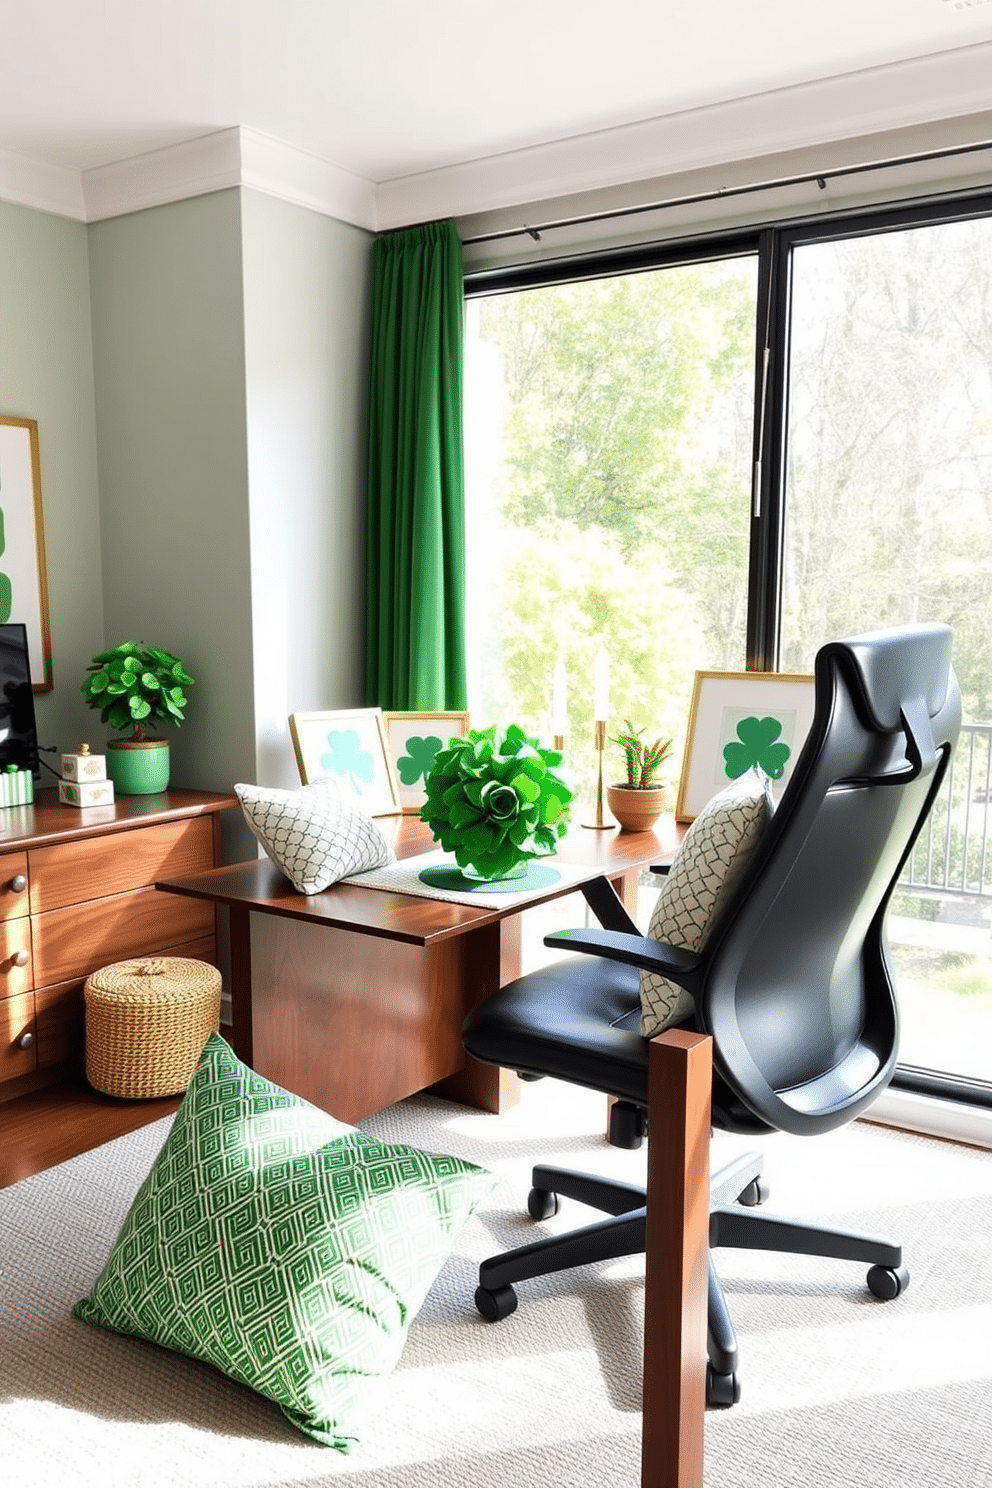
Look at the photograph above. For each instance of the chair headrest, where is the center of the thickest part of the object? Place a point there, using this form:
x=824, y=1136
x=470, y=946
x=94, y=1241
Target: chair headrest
x=896, y=666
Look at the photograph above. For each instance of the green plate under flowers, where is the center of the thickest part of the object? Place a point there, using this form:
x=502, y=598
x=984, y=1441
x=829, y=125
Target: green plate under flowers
x=537, y=876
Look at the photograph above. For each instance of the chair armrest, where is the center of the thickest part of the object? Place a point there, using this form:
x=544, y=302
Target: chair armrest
x=633, y=950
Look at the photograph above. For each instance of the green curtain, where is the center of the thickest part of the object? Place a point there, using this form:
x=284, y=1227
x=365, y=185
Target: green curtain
x=415, y=556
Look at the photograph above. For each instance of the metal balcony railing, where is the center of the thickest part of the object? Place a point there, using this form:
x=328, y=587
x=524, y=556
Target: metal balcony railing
x=954, y=853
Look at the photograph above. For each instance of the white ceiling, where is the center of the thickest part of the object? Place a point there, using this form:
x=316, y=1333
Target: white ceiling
x=389, y=89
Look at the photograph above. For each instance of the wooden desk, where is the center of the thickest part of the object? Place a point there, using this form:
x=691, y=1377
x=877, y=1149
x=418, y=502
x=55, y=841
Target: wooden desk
x=355, y=998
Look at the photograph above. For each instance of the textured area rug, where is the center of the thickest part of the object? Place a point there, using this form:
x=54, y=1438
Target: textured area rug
x=838, y=1390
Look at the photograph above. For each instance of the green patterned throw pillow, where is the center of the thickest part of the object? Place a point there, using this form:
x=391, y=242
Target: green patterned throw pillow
x=283, y=1247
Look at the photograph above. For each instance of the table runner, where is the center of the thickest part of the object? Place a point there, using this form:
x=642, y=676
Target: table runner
x=403, y=877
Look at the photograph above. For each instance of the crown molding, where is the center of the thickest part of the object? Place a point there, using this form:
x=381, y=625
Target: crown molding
x=806, y=116
x=212, y=162
x=306, y=180
x=46, y=188
x=228, y=157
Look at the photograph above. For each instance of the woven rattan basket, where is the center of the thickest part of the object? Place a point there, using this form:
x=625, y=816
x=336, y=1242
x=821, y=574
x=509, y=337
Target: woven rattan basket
x=146, y=1024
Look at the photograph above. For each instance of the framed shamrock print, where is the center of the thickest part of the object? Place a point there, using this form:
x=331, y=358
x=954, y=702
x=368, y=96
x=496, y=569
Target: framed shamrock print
x=414, y=739
x=738, y=721
x=350, y=746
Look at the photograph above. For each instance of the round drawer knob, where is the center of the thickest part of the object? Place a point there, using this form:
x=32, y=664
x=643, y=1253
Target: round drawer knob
x=26, y=1040
x=20, y=958
x=18, y=883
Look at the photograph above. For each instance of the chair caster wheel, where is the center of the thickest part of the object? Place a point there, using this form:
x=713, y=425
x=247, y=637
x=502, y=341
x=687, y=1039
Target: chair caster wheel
x=722, y=1390
x=497, y=1305
x=541, y=1203
x=757, y=1192
x=628, y=1126
x=886, y=1282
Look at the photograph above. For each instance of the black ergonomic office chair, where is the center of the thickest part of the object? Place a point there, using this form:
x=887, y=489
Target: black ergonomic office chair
x=793, y=982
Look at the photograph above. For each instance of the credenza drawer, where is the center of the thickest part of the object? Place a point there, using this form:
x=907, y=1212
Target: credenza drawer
x=18, y=1052
x=15, y=957
x=94, y=867
x=14, y=897
x=143, y=923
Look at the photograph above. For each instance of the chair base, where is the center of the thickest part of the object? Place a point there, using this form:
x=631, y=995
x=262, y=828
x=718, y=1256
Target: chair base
x=735, y=1190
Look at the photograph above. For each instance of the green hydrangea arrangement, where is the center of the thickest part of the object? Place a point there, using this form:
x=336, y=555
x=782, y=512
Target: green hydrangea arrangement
x=496, y=803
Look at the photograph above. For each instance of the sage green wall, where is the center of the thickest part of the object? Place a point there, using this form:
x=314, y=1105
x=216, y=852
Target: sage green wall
x=306, y=290
x=46, y=373
x=198, y=371
x=169, y=366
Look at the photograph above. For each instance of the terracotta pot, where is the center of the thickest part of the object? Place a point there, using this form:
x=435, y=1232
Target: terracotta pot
x=637, y=810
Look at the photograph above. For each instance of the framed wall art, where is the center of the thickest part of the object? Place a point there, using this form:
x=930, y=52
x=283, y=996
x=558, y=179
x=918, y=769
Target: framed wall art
x=737, y=720
x=414, y=739
x=23, y=578
x=348, y=744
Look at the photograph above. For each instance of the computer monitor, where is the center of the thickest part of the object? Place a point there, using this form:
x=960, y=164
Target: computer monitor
x=18, y=733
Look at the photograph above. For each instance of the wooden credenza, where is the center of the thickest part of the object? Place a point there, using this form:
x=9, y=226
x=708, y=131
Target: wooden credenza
x=77, y=893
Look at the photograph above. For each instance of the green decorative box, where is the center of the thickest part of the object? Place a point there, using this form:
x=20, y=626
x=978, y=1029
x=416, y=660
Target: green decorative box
x=16, y=787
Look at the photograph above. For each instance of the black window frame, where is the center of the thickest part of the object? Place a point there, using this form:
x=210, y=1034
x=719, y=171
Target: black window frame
x=773, y=245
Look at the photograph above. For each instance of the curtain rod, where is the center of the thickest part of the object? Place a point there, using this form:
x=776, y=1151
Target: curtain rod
x=820, y=177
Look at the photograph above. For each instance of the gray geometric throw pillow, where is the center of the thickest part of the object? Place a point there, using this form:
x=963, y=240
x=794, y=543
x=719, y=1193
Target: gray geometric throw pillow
x=313, y=834
x=714, y=854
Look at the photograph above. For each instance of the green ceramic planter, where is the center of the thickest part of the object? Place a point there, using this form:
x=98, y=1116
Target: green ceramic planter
x=138, y=767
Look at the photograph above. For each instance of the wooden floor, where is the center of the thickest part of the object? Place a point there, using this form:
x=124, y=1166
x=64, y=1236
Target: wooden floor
x=40, y=1130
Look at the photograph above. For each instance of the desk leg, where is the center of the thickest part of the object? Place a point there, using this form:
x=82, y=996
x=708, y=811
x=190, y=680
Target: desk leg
x=626, y=886
x=492, y=959
x=241, y=1020
x=677, y=1260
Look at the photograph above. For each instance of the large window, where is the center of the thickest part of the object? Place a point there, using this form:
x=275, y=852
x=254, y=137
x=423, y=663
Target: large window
x=726, y=456
x=889, y=519
x=609, y=427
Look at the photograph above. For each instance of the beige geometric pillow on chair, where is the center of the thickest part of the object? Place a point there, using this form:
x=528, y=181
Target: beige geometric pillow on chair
x=707, y=868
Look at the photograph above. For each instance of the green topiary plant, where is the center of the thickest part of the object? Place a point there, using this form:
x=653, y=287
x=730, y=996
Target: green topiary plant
x=643, y=760
x=496, y=803
x=136, y=687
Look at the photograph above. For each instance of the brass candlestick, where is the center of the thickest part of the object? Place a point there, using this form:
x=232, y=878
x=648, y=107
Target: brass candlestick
x=600, y=744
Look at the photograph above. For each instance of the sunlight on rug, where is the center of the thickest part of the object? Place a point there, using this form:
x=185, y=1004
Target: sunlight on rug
x=838, y=1389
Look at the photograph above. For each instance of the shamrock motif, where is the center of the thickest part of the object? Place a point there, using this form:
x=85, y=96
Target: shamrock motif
x=344, y=757
x=416, y=763
x=756, y=745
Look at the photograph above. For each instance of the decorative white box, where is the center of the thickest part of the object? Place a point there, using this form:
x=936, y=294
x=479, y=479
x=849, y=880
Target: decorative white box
x=84, y=766
x=86, y=792
x=16, y=787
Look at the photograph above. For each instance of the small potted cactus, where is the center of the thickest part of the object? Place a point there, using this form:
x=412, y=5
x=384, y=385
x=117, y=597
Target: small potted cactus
x=638, y=801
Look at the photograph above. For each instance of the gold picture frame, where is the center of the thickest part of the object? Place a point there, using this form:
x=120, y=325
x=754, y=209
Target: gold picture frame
x=402, y=729
x=349, y=745
x=23, y=572
x=720, y=702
